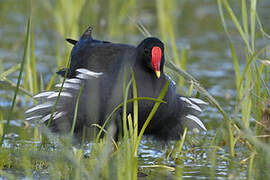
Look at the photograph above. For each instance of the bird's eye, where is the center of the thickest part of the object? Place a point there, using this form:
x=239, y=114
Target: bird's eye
x=146, y=51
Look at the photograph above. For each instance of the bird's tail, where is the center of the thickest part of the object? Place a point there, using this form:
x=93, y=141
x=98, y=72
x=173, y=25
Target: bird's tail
x=57, y=108
x=193, y=109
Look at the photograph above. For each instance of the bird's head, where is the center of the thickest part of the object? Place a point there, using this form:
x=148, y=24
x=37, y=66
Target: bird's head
x=151, y=52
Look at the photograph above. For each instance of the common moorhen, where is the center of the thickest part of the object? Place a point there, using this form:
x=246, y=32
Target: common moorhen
x=95, y=77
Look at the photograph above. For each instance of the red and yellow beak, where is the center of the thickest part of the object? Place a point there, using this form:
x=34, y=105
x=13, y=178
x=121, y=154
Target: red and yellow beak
x=156, y=59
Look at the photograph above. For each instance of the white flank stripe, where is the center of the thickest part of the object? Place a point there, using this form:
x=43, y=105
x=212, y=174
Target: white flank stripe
x=197, y=121
x=40, y=106
x=73, y=80
x=83, y=76
x=89, y=73
x=59, y=115
x=63, y=94
x=186, y=100
x=193, y=106
x=43, y=94
x=33, y=117
x=68, y=86
x=198, y=101
x=197, y=108
x=47, y=117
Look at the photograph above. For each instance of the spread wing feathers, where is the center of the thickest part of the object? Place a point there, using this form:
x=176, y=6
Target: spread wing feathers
x=67, y=97
x=193, y=109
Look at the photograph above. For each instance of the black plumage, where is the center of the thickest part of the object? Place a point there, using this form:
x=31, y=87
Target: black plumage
x=98, y=69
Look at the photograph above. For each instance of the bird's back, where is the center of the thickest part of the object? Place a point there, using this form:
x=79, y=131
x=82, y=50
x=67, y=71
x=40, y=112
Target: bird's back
x=106, y=57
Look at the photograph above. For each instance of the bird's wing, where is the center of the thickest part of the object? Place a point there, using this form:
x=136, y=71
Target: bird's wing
x=59, y=106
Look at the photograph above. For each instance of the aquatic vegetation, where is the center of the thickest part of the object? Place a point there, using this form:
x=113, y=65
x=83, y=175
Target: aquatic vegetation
x=237, y=142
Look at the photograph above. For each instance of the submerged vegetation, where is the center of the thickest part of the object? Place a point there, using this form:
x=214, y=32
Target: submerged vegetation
x=237, y=148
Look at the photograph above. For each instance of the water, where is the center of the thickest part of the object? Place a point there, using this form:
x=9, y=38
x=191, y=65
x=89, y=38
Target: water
x=198, y=27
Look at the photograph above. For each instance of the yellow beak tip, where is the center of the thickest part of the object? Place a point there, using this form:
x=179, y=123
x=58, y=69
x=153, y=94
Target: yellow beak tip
x=157, y=74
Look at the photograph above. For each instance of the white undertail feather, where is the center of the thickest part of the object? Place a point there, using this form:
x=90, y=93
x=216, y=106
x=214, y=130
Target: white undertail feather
x=198, y=122
x=40, y=107
x=190, y=120
x=43, y=94
x=60, y=114
x=33, y=117
x=43, y=112
x=47, y=117
x=63, y=94
x=197, y=108
x=192, y=105
x=198, y=101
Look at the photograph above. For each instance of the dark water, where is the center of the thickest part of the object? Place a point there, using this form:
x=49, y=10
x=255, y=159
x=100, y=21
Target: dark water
x=197, y=26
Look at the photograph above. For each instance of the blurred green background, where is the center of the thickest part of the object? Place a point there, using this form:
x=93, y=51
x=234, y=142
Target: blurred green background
x=195, y=41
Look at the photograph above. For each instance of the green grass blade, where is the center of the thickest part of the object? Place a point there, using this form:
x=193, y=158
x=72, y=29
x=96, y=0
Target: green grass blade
x=3, y=77
x=250, y=166
x=135, y=109
x=26, y=48
x=236, y=23
x=152, y=113
x=122, y=104
x=236, y=65
x=125, y=92
x=29, y=77
x=106, y=132
x=130, y=126
x=125, y=108
x=252, y=22
x=221, y=14
x=11, y=70
x=1, y=124
x=33, y=64
x=245, y=16
x=252, y=58
x=183, y=64
x=21, y=89
x=51, y=83
x=179, y=145
x=76, y=111
x=261, y=27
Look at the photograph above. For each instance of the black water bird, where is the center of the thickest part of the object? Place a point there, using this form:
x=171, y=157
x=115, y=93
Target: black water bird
x=95, y=76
